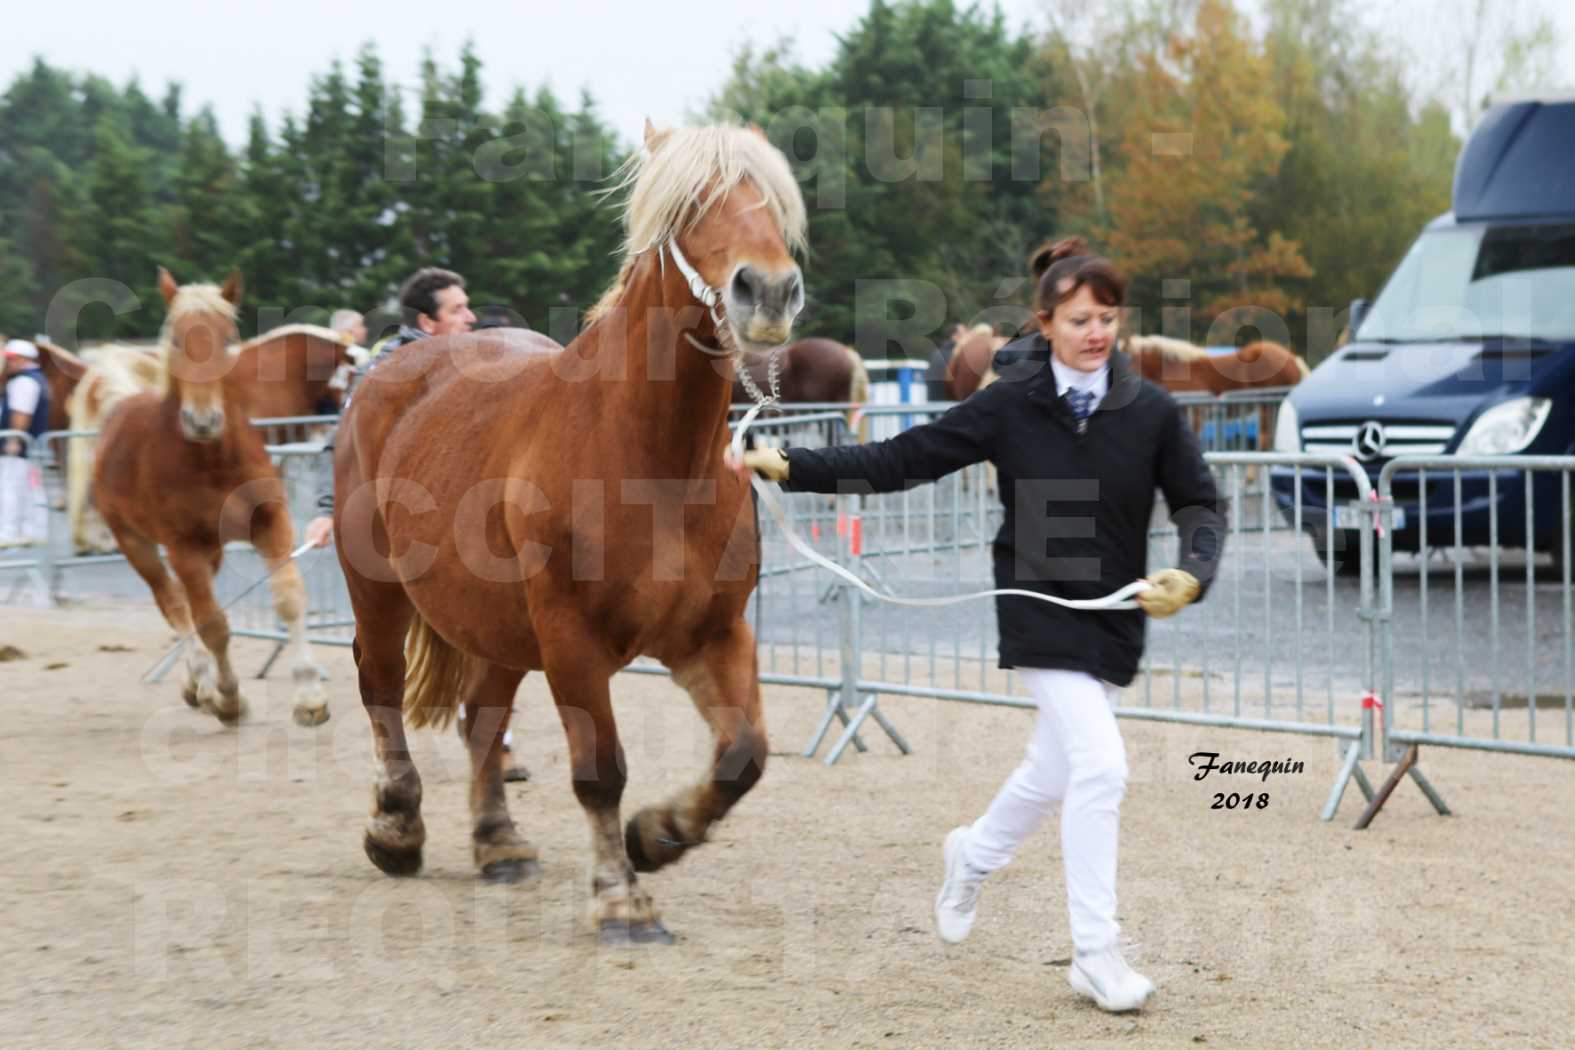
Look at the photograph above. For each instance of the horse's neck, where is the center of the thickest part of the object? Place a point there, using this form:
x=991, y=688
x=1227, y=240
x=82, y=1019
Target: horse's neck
x=673, y=397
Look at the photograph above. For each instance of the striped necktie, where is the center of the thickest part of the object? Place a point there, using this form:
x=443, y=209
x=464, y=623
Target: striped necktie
x=1081, y=402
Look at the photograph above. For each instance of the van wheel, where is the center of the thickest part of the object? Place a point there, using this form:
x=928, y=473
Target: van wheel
x=1347, y=551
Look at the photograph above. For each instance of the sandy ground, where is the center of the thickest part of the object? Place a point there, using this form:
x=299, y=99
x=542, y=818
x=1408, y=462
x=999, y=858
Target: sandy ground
x=171, y=883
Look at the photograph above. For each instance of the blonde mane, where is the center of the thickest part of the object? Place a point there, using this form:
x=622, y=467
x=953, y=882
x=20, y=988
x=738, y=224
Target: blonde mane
x=284, y=331
x=190, y=299
x=1168, y=349
x=672, y=187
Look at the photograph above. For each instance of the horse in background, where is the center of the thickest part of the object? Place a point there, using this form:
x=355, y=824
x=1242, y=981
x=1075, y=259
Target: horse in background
x=971, y=358
x=62, y=370
x=1182, y=367
x=181, y=467
x=297, y=370
x=1178, y=365
x=814, y=370
x=568, y=526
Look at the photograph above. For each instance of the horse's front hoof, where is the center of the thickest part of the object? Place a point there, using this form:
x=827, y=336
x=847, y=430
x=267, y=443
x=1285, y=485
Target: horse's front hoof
x=193, y=697
x=310, y=715
x=508, y=872
x=651, y=841
x=398, y=861
x=615, y=932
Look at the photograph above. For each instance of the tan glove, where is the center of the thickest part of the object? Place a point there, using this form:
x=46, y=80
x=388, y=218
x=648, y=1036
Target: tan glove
x=1172, y=590
x=769, y=463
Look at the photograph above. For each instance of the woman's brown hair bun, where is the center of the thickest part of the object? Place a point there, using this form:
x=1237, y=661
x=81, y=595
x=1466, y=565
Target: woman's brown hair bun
x=1069, y=265
x=1051, y=252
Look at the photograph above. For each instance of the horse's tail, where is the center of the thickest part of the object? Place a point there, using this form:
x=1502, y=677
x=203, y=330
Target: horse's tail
x=858, y=394
x=434, y=674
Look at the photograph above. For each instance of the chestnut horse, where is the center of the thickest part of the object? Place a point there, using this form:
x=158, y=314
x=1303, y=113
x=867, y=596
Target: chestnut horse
x=507, y=505
x=814, y=370
x=183, y=468
x=298, y=370
x=971, y=357
x=1182, y=366
x=62, y=370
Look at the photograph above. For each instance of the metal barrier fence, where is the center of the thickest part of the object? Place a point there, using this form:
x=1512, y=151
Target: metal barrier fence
x=57, y=556
x=1243, y=659
x=1487, y=520
x=1283, y=643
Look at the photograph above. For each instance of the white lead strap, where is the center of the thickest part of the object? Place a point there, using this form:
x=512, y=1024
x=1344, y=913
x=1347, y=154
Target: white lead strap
x=1121, y=599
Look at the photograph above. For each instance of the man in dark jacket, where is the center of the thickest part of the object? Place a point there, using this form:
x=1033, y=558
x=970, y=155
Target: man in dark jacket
x=432, y=301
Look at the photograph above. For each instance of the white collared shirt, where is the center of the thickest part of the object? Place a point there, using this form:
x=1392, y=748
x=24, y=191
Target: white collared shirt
x=1068, y=378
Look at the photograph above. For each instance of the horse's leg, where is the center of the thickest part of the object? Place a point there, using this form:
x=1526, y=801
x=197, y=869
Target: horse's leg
x=721, y=679
x=500, y=853
x=622, y=910
x=272, y=536
x=193, y=565
x=143, y=555
x=395, y=832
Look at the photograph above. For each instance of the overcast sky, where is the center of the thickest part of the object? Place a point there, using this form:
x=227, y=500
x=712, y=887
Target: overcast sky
x=637, y=58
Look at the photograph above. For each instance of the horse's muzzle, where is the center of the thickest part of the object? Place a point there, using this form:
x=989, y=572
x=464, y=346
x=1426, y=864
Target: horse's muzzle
x=201, y=427
x=763, y=306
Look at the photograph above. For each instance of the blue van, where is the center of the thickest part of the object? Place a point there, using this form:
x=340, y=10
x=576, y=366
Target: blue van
x=1469, y=349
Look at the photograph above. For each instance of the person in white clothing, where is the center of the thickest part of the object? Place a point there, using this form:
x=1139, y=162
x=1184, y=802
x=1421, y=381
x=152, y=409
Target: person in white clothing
x=24, y=407
x=1081, y=444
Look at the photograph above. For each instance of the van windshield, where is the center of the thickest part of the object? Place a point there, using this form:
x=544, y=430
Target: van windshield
x=1480, y=282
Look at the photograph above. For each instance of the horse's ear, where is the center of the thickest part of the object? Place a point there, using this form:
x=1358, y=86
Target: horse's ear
x=756, y=129
x=653, y=138
x=167, y=286
x=231, y=292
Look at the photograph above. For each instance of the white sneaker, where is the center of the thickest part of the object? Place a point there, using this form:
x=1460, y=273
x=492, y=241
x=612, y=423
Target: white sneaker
x=954, y=905
x=1106, y=978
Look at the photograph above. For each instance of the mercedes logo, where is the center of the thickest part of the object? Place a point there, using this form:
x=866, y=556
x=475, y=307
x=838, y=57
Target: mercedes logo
x=1368, y=444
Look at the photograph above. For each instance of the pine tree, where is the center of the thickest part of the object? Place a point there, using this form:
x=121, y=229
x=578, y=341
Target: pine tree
x=205, y=231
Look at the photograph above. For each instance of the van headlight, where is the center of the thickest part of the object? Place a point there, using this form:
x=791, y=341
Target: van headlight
x=1288, y=429
x=1506, y=428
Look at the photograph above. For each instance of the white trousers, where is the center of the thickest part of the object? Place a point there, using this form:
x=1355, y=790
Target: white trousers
x=1075, y=757
x=23, y=513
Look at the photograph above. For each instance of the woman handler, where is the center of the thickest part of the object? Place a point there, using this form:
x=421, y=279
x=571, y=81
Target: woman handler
x=1081, y=444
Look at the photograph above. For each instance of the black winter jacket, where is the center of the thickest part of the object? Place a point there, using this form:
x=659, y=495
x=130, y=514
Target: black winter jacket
x=1078, y=501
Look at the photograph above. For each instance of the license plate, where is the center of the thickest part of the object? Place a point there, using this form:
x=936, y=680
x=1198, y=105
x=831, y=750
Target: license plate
x=1349, y=516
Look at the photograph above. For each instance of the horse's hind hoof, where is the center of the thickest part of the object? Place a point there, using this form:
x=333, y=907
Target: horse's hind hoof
x=188, y=693
x=229, y=715
x=508, y=872
x=398, y=861
x=310, y=716
x=615, y=932
x=516, y=774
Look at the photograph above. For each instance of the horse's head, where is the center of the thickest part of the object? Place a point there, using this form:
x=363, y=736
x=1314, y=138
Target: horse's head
x=198, y=332
x=723, y=203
